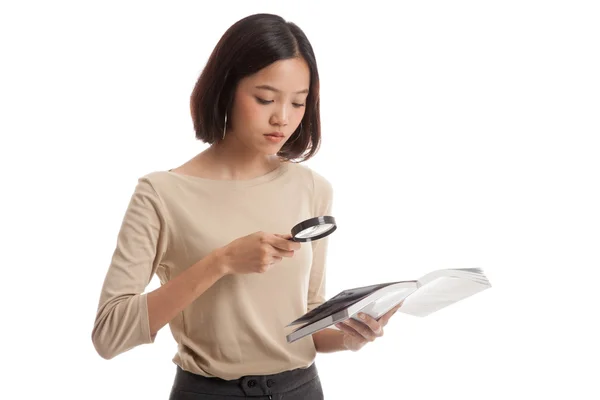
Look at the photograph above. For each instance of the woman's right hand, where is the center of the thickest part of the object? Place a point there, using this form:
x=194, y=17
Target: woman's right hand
x=256, y=253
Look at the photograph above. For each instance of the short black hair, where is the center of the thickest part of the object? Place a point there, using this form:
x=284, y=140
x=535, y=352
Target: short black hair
x=248, y=46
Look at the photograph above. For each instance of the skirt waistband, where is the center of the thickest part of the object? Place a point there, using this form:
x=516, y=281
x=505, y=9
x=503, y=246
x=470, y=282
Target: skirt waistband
x=250, y=385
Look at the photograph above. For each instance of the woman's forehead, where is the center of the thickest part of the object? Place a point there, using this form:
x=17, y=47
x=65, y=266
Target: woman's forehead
x=284, y=76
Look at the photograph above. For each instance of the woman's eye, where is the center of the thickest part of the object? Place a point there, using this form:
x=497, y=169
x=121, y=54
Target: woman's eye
x=261, y=101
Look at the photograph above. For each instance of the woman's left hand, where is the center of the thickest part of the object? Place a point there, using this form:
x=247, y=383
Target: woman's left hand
x=357, y=334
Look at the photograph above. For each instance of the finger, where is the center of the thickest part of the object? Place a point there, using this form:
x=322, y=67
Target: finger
x=283, y=244
x=281, y=253
x=345, y=328
x=362, y=329
x=385, y=319
x=372, y=323
x=276, y=259
x=287, y=236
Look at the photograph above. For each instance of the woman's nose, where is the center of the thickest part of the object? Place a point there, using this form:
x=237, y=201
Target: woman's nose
x=280, y=117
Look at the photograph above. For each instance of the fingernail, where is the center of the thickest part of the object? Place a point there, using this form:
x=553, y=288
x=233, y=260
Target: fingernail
x=362, y=316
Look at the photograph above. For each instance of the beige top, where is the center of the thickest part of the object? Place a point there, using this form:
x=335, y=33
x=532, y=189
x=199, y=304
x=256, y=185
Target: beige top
x=236, y=327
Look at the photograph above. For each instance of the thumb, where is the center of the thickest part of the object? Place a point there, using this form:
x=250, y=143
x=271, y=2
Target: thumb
x=286, y=236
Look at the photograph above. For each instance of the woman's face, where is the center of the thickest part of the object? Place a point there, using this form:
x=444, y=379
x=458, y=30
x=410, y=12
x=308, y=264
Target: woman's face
x=269, y=105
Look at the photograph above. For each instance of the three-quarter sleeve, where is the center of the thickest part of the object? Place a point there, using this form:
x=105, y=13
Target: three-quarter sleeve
x=122, y=316
x=323, y=200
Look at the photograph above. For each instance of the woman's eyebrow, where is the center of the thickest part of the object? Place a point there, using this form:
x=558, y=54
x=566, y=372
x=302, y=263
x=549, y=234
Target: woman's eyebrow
x=271, y=88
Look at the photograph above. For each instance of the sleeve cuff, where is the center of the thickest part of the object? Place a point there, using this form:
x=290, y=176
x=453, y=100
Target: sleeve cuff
x=145, y=320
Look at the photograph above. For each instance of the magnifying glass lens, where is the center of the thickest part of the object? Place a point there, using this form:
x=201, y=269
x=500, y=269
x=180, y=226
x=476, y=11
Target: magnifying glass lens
x=314, y=231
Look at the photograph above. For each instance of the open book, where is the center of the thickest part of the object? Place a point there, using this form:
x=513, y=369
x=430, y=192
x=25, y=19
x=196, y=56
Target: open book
x=421, y=297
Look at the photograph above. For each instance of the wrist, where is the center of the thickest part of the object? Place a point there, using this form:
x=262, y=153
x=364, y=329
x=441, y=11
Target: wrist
x=204, y=273
x=329, y=341
x=219, y=261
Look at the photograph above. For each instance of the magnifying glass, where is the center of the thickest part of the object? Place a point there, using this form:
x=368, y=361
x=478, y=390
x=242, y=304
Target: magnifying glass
x=313, y=229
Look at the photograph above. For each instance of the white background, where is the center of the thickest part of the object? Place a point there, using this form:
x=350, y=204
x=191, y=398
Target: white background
x=455, y=133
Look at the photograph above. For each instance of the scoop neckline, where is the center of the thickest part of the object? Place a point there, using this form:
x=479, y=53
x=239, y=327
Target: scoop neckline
x=269, y=176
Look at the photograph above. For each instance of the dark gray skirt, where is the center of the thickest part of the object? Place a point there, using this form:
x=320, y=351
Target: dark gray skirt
x=298, y=384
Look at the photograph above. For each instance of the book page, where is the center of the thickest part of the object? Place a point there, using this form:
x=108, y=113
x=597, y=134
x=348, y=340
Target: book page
x=439, y=293
x=466, y=273
x=379, y=307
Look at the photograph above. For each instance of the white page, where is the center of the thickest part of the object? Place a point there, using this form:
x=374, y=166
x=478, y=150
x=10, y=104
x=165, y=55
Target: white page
x=438, y=294
x=380, y=306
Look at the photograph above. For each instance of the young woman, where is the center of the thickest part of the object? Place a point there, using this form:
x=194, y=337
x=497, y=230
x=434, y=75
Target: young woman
x=215, y=231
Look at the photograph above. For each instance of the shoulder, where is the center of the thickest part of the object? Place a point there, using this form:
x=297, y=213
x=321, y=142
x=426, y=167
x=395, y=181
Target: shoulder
x=321, y=187
x=314, y=178
x=155, y=178
x=154, y=184
x=150, y=181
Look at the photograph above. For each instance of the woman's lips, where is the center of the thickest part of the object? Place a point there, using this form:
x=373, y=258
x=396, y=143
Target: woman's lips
x=273, y=138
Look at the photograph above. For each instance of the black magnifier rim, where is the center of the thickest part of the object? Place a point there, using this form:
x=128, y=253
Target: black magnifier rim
x=309, y=223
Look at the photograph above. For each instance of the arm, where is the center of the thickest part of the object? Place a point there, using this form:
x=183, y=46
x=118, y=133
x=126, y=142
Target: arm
x=127, y=317
x=353, y=335
x=326, y=340
x=171, y=298
x=329, y=341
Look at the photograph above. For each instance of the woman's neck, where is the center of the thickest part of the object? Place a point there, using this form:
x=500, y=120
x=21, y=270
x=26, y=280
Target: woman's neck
x=229, y=163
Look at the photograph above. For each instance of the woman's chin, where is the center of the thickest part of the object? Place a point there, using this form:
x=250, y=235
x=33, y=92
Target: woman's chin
x=270, y=149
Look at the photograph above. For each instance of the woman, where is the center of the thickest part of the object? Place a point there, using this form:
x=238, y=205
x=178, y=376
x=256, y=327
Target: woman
x=214, y=231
